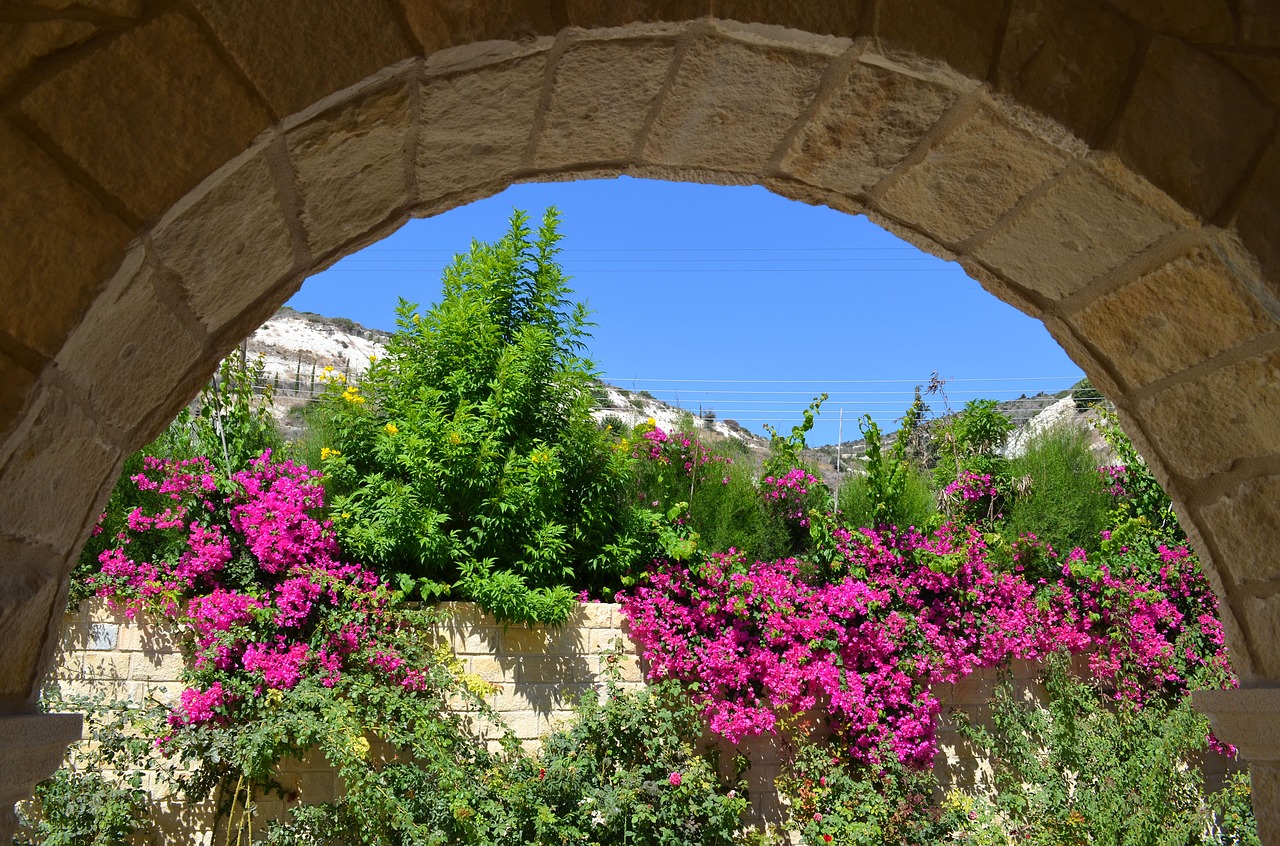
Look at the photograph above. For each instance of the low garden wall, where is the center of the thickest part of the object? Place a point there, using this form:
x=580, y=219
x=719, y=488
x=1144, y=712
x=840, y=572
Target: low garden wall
x=537, y=673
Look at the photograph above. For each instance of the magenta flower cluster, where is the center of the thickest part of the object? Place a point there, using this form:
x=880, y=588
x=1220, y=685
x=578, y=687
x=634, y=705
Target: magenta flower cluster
x=677, y=449
x=912, y=611
x=255, y=582
x=789, y=493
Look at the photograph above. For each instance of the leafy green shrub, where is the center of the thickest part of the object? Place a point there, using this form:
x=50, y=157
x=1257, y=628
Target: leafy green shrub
x=915, y=503
x=833, y=801
x=1082, y=768
x=1063, y=499
x=728, y=512
x=627, y=771
x=467, y=463
x=97, y=798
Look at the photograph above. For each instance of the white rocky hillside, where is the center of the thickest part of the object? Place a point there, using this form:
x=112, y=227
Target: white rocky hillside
x=296, y=347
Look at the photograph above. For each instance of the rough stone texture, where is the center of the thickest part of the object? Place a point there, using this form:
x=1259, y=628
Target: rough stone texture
x=727, y=109
x=1192, y=125
x=118, y=8
x=873, y=121
x=1243, y=525
x=1085, y=224
x=600, y=96
x=164, y=110
x=1260, y=617
x=1156, y=326
x=51, y=482
x=610, y=13
x=1226, y=416
x=29, y=588
x=962, y=33
x=971, y=178
x=22, y=44
x=229, y=241
x=69, y=245
x=475, y=126
x=105, y=360
x=18, y=382
x=1264, y=781
x=298, y=51
x=34, y=745
x=1197, y=21
x=1055, y=49
x=1260, y=22
x=437, y=25
x=1259, y=217
x=352, y=169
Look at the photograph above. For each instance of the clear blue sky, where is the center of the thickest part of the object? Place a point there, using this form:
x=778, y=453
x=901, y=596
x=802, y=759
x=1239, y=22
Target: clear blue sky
x=734, y=299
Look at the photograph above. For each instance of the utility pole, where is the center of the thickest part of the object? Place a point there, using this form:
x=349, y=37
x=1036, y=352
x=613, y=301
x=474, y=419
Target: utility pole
x=839, y=440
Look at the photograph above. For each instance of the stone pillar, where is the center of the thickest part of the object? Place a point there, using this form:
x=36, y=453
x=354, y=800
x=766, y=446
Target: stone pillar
x=31, y=748
x=1249, y=718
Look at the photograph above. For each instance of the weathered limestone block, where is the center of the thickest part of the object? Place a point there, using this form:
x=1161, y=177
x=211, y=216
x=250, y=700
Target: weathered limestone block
x=601, y=94
x=354, y=166
x=875, y=118
x=59, y=469
x=1243, y=525
x=1206, y=425
x=1056, y=49
x=59, y=244
x=18, y=382
x=298, y=51
x=229, y=240
x=1085, y=224
x=962, y=33
x=1157, y=325
x=1259, y=217
x=31, y=746
x=1259, y=616
x=30, y=589
x=728, y=108
x=156, y=110
x=109, y=366
x=1249, y=718
x=1197, y=21
x=971, y=178
x=1192, y=126
x=438, y=25
x=23, y=44
x=475, y=125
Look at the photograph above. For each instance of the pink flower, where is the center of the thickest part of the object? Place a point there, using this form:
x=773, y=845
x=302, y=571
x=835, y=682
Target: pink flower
x=675, y=779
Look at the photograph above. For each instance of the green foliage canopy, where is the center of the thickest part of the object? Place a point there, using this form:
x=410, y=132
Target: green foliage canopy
x=467, y=463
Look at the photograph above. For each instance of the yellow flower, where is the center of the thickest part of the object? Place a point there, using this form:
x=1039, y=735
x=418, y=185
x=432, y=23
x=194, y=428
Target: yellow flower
x=346, y=515
x=372, y=359
x=540, y=457
x=392, y=429
x=326, y=453
x=328, y=368
x=651, y=422
x=454, y=439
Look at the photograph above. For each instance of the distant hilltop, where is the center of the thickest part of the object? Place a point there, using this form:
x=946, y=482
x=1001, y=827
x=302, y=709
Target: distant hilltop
x=297, y=346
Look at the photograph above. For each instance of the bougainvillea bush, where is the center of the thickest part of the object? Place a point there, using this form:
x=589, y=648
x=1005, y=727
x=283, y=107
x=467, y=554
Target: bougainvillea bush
x=855, y=632
x=292, y=649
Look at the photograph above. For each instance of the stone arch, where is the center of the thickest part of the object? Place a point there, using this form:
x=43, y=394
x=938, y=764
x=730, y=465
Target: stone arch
x=176, y=169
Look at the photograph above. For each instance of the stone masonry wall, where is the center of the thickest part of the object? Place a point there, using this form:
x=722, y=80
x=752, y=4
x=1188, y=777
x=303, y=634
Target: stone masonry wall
x=538, y=674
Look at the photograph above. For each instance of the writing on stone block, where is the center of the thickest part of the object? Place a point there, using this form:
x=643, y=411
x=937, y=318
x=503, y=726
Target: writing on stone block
x=103, y=636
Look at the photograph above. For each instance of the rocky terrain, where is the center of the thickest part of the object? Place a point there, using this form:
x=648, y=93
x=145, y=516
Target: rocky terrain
x=296, y=347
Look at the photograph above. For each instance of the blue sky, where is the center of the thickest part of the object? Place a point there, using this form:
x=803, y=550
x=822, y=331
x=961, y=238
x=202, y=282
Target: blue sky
x=734, y=299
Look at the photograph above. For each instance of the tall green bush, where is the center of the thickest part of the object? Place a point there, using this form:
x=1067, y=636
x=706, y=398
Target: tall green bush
x=467, y=463
x=1062, y=499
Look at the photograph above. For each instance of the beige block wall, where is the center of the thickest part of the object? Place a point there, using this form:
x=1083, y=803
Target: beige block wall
x=537, y=674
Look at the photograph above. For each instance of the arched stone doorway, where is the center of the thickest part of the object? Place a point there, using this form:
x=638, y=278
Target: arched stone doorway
x=175, y=170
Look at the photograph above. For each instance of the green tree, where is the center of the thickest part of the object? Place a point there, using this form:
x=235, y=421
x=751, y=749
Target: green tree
x=467, y=463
